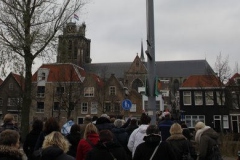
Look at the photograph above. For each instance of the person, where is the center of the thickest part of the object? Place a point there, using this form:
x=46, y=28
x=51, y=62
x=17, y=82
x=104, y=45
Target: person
x=9, y=145
x=90, y=139
x=152, y=140
x=50, y=125
x=132, y=126
x=137, y=135
x=31, y=138
x=121, y=135
x=65, y=130
x=73, y=138
x=8, y=123
x=103, y=122
x=55, y=147
x=178, y=142
x=106, y=148
x=206, y=138
x=87, y=120
x=164, y=126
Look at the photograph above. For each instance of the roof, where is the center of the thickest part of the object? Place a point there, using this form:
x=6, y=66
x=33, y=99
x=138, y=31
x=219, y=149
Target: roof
x=201, y=81
x=232, y=81
x=19, y=78
x=64, y=72
x=1, y=81
x=182, y=68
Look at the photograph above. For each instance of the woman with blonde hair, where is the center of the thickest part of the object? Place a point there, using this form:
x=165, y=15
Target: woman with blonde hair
x=90, y=139
x=55, y=146
x=178, y=142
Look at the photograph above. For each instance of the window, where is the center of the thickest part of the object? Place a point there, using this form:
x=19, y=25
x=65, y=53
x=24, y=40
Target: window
x=13, y=101
x=10, y=86
x=133, y=108
x=84, y=108
x=59, y=90
x=112, y=90
x=145, y=105
x=56, y=106
x=88, y=92
x=220, y=97
x=217, y=122
x=107, y=107
x=209, y=97
x=198, y=98
x=40, y=91
x=116, y=107
x=157, y=105
x=187, y=98
x=94, y=106
x=1, y=101
x=40, y=107
x=42, y=76
x=191, y=120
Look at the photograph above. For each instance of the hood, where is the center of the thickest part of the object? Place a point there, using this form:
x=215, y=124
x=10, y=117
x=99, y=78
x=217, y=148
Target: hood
x=51, y=152
x=206, y=131
x=152, y=139
x=9, y=151
x=142, y=128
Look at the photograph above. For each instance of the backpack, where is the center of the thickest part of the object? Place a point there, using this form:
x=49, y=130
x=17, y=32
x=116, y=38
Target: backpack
x=215, y=153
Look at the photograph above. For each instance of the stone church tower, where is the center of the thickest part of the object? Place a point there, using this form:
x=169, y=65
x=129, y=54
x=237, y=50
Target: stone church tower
x=73, y=46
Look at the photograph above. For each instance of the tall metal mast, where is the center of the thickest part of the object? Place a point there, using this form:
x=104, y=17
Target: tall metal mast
x=151, y=61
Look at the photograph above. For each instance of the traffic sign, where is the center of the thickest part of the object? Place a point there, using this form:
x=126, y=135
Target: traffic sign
x=126, y=104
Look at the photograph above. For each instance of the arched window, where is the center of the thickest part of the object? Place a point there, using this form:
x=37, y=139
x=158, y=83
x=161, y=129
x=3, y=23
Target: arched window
x=137, y=83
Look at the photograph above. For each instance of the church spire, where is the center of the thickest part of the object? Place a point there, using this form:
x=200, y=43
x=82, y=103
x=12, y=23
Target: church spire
x=142, y=54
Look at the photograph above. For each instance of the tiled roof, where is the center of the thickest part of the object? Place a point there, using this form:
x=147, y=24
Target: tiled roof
x=231, y=81
x=201, y=81
x=19, y=78
x=182, y=68
x=64, y=72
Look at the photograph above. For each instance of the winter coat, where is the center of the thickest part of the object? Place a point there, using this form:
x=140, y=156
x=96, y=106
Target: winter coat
x=30, y=142
x=206, y=138
x=179, y=145
x=9, y=125
x=145, y=150
x=10, y=153
x=55, y=153
x=121, y=136
x=84, y=147
x=103, y=152
x=136, y=137
x=103, y=123
x=40, y=140
x=131, y=128
x=164, y=127
x=73, y=139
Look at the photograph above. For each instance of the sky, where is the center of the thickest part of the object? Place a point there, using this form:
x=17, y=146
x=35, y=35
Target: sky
x=184, y=30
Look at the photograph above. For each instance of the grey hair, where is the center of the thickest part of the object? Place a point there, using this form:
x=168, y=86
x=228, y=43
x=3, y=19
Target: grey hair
x=118, y=123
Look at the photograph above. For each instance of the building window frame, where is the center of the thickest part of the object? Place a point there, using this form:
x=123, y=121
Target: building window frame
x=218, y=96
x=198, y=98
x=112, y=90
x=107, y=107
x=84, y=107
x=209, y=99
x=94, y=108
x=225, y=120
x=191, y=120
x=88, y=91
x=187, y=98
x=40, y=107
x=40, y=91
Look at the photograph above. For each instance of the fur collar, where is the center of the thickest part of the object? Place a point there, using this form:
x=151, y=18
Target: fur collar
x=176, y=137
x=10, y=151
x=200, y=132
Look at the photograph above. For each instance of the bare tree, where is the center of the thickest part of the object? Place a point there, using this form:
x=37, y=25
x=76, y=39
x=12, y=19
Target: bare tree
x=28, y=30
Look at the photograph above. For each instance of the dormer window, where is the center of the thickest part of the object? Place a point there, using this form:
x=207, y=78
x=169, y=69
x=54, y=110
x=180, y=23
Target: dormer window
x=42, y=76
x=237, y=81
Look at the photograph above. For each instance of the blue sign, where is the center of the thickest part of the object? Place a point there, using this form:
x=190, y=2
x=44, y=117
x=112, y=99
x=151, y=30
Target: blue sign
x=126, y=104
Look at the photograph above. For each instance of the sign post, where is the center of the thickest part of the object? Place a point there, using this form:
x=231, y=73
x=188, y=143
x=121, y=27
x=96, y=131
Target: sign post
x=126, y=104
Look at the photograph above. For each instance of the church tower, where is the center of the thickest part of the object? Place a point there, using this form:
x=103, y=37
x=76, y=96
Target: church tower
x=73, y=46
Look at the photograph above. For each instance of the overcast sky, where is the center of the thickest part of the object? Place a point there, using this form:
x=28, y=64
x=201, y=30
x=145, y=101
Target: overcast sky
x=184, y=29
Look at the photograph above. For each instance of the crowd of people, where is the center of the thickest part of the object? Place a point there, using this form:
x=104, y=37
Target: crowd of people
x=106, y=138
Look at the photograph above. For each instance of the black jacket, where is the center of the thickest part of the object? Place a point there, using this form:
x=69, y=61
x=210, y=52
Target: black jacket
x=101, y=152
x=55, y=153
x=180, y=145
x=30, y=142
x=145, y=150
x=9, y=153
x=73, y=139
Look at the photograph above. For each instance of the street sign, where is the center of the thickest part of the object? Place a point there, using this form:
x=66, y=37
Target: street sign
x=126, y=104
